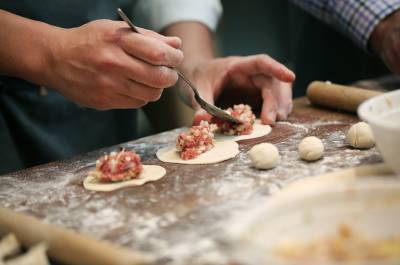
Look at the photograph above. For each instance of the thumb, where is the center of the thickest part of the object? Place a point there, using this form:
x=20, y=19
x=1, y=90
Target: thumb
x=269, y=107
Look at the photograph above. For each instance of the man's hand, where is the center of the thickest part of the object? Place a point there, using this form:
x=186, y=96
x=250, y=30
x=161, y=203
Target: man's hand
x=385, y=41
x=259, y=72
x=104, y=65
x=250, y=74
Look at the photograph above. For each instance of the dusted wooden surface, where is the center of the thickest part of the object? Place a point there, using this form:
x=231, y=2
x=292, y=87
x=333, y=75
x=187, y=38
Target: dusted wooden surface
x=178, y=217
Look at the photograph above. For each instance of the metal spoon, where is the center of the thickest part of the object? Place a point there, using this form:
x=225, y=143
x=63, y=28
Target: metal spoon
x=210, y=108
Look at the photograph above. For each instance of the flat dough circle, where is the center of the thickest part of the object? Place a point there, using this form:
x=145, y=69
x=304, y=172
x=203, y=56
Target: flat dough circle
x=259, y=130
x=222, y=151
x=149, y=173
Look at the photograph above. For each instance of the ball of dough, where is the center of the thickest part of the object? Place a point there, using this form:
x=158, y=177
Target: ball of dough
x=360, y=136
x=264, y=156
x=311, y=148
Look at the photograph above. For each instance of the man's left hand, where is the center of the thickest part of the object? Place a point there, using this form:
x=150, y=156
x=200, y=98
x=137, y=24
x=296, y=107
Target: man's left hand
x=258, y=72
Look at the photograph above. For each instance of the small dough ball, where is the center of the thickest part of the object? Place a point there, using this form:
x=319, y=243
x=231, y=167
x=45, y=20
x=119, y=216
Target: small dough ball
x=311, y=148
x=264, y=156
x=360, y=136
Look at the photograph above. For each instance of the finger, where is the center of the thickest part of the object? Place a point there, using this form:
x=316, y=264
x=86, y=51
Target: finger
x=141, y=92
x=125, y=102
x=151, y=50
x=201, y=115
x=147, y=74
x=269, y=107
x=172, y=41
x=263, y=64
x=285, y=104
x=118, y=101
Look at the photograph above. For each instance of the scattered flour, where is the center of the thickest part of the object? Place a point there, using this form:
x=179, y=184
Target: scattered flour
x=183, y=231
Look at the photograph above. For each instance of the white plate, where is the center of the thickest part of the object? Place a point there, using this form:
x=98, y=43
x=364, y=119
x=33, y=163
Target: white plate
x=370, y=205
x=383, y=114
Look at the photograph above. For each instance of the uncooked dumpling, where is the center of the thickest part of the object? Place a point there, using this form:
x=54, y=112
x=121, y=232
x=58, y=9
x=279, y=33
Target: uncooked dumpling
x=311, y=148
x=264, y=156
x=149, y=173
x=222, y=151
x=360, y=136
x=259, y=130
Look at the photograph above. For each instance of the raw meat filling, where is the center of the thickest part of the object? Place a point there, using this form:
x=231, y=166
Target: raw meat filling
x=120, y=166
x=197, y=140
x=243, y=113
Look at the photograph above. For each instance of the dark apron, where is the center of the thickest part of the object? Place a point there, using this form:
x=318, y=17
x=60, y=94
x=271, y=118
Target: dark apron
x=40, y=127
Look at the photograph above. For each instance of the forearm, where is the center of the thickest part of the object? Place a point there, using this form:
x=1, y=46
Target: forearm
x=357, y=19
x=197, y=42
x=24, y=47
x=197, y=47
x=381, y=30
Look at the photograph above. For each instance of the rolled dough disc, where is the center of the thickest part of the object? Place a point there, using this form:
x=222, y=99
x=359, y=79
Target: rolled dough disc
x=222, y=151
x=259, y=130
x=149, y=173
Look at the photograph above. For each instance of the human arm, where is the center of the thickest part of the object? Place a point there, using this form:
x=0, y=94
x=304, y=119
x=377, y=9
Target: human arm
x=373, y=25
x=385, y=41
x=212, y=75
x=102, y=64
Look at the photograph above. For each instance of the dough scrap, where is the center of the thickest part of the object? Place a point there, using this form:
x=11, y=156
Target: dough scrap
x=35, y=256
x=149, y=173
x=264, y=156
x=222, y=151
x=311, y=148
x=360, y=136
x=9, y=245
x=259, y=130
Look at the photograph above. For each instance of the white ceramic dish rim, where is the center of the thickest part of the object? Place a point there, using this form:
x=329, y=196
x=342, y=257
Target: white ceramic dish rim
x=365, y=115
x=372, y=184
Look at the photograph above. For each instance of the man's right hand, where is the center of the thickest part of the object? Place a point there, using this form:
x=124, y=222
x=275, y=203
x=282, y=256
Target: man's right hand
x=105, y=65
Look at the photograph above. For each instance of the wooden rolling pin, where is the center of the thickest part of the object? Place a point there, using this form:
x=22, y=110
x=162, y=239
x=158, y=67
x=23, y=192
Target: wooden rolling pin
x=337, y=96
x=64, y=245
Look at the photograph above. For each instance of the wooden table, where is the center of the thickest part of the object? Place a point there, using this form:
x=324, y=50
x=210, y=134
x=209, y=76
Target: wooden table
x=178, y=217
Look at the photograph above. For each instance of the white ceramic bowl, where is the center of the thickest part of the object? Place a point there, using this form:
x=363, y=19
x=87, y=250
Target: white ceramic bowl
x=383, y=114
x=368, y=205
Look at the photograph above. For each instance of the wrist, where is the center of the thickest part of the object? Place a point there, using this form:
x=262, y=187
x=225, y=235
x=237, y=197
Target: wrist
x=25, y=47
x=50, y=53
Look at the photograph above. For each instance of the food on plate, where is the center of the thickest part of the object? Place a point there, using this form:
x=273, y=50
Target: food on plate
x=360, y=136
x=117, y=166
x=243, y=113
x=311, y=148
x=344, y=246
x=222, y=150
x=197, y=140
x=264, y=156
x=119, y=170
